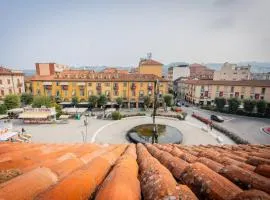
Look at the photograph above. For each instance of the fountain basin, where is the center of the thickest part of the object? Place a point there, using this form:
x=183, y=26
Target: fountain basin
x=144, y=134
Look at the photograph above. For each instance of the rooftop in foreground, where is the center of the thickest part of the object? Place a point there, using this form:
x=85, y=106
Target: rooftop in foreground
x=93, y=171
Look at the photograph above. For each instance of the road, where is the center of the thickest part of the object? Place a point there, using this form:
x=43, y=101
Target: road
x=248, y=128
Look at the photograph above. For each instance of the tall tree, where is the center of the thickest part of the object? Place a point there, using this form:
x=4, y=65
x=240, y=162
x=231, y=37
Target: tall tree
x=249, y=105
x=147, y=101
x=102, y=100
x=261, y=106
x=93, y=100
x=42, y=101
x=233, y=105
x=74, y=101
x=12, y=101
x=26, y=98
x=220, y=103
x=168, y=99
x=119, y=101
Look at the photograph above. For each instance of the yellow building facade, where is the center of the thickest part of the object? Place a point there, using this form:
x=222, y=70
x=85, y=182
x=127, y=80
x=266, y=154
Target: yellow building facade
x=82, y=84
x=149, y=66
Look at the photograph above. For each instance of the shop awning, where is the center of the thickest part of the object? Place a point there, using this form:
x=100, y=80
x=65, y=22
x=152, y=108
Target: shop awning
x=3, y=116
x=34, y=115
x=64, y=116
x=6, y=136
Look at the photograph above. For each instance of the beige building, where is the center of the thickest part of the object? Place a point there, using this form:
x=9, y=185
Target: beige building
x=233, y=72
x=11, y=82
x=47, y=69
x=201, y=72
x=205, y=91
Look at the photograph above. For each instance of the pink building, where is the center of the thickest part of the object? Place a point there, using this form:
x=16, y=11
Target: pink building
x=11, y=82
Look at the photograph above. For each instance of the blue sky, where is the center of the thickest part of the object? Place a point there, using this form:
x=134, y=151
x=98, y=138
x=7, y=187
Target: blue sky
x=119, y=32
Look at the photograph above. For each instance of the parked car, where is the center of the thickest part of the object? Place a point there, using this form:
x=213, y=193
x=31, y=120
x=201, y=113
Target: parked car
x=178, y=104
x=217, y=118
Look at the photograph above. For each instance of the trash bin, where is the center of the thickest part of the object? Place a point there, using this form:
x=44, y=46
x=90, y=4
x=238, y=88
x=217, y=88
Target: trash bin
x=78, y=117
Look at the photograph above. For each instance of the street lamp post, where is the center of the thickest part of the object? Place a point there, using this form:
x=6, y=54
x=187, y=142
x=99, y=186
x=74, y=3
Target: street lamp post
x=155, y=105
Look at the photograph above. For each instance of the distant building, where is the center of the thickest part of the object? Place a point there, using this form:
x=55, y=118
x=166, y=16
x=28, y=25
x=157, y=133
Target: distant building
x=260, y=76
x=150, y=66
x=175, y=72
x=114, y=70
x=201, y=72
x=232, y=72
x=46, y=69
x=205, y=91
x=11, y=82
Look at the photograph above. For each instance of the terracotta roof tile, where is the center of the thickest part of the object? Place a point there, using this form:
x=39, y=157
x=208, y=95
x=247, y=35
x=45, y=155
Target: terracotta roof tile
x=246, y=178
x=263, y=170
x=81, y=171
x=208, y=184
x=122, y=182
x=28, y=185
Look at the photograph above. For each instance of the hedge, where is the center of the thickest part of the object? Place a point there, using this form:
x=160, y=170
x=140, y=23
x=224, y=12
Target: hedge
x=233, y=136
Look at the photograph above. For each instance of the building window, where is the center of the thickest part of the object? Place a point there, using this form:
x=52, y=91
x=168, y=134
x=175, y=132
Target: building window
x=89, y=84
x=263, y=91
x=232, y=89
x=107, y=84
x=73, y=93
x=8, y=81
x=252, y=90
x=57, y=93
x=217, y=88
x=107, y=92
x=99, y=84
x=262, y=98
x=115, y=92
x=242, y=97
x=90, y=92
x=57, y=83
x=81, y=92
x=243, y=89
x=141, y=84
x=141, y=93
x=125, y=84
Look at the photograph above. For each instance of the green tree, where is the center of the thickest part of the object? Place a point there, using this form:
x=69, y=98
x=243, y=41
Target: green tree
x=12, y=101
x=233, y=105
x=42, y=101
x=102, y=100
x=3, y=109
x=261, y=106
x=74, y=101
x=147, y=101
x=26, y=98
x=168, y=99
x=220, y=103
x=93, y=100
x=58, y=110
x=249, y=105
x=119, y=101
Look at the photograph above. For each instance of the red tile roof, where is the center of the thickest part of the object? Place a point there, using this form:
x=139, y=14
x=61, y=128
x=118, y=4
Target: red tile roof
x=116, y=172
x=150, y=62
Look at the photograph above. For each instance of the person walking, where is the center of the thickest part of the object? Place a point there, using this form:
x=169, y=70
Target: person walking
x=23, y=131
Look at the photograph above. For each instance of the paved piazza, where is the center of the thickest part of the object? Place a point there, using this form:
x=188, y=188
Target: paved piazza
x=109, y=131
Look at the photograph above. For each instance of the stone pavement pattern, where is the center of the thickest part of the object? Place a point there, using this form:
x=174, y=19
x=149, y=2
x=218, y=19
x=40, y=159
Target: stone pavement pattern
x=120, y=172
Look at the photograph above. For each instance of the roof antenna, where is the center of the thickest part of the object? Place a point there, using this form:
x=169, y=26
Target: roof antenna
x=149, y=56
